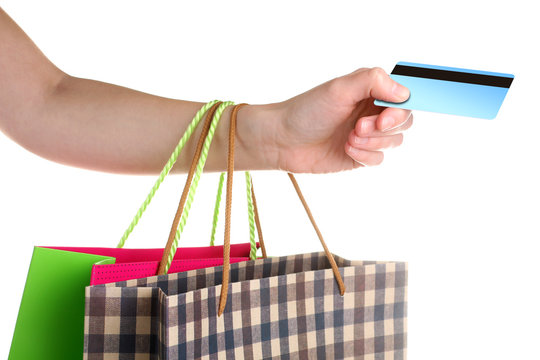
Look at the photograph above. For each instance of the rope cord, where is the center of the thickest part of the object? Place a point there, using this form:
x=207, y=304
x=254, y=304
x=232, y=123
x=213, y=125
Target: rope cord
x=251, y=214
x=251, y=218
x=166, y=169
x=187, y=185
x=258, y=221
x=196, y=178
x=228, y=211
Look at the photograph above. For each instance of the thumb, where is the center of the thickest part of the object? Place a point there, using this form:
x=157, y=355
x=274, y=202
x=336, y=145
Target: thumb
x=375, y=83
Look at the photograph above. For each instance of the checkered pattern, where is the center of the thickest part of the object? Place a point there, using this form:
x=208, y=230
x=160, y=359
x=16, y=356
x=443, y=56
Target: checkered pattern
x=278, y=308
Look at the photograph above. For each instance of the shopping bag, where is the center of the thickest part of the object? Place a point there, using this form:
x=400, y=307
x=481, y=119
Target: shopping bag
x=50, y=321
x=279, y=307
x=127, y=264
x=307, y=306
x=51, y=315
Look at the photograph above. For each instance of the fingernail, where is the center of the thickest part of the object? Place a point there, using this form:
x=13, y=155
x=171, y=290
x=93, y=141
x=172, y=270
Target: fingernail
x=355, y=151
x=361, y=163
x=387, y=123
x=360, y=140
x=398, y=125
x=400, y=91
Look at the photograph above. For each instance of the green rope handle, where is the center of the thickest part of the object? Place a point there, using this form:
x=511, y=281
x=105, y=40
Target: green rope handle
x=251, y=215
x=216, y=209
x=196, y=178
x=251, y=218
x=189, y=131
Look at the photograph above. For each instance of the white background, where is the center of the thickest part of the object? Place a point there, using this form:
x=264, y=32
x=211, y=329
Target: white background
x=458, y=200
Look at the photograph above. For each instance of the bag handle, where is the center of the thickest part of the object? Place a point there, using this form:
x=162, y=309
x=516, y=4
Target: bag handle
x=253, y=216
x=228, y=208
x=257, y=221
x=194, y=174
x=172, y=160
x=329, y=255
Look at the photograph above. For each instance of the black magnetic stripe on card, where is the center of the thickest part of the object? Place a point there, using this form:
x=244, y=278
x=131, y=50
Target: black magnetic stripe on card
x=456, y=76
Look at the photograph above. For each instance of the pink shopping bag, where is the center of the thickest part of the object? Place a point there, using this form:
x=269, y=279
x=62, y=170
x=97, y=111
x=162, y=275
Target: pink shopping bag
x=138, y=263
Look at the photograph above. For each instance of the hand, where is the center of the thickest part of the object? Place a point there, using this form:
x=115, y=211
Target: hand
x=335, y=126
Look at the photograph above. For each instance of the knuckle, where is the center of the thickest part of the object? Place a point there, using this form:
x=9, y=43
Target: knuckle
x=358, y=128
x=376, y=74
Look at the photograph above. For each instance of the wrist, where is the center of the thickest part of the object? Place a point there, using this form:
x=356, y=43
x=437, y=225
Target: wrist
x=257, y=143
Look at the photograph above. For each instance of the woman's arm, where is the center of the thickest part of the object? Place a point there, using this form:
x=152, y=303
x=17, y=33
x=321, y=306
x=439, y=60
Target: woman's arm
x=100, y=126
x=96, y=125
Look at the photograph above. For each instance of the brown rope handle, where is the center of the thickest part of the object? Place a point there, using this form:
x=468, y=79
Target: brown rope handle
x=193, y=167
x=228, y=208
x=329, y=255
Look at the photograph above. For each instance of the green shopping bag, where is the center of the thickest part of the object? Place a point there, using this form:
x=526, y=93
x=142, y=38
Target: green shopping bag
x=50, y=324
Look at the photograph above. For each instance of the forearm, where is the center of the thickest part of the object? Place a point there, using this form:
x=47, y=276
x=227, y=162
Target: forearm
x=105, y=127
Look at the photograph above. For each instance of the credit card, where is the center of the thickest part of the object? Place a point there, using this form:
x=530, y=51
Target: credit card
x=449, y=90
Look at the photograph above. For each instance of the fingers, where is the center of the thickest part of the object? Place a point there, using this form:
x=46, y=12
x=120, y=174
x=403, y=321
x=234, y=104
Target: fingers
x=379, y=131
x=391, y=118
x=375, y=143
x=377, y=125
x=367, y=139
x=375, y=83
x=364, y=157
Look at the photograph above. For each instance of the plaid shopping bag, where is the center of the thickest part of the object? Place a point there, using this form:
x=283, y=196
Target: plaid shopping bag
x=308, y=306
x=281, y=307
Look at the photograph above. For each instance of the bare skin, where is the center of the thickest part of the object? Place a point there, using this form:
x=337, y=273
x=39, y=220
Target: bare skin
x=105, y=127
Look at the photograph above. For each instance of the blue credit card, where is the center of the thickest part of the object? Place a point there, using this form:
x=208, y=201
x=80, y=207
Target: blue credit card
x=449, y=90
